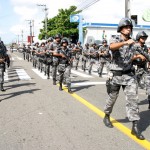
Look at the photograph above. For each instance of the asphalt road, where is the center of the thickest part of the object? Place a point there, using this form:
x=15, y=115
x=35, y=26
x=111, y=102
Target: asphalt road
x=35, y=115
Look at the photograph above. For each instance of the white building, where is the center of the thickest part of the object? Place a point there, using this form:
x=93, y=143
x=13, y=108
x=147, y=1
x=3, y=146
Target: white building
x=95, y=32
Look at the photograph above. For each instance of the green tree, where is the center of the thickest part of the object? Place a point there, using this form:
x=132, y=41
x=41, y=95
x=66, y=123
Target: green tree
x=61, y=24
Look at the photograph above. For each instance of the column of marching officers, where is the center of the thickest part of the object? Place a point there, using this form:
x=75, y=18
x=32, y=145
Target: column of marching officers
x=126, y=60
x=57, y=57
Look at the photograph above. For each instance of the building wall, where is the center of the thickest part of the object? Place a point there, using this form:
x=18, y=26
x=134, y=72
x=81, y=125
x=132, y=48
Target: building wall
x=95, y=34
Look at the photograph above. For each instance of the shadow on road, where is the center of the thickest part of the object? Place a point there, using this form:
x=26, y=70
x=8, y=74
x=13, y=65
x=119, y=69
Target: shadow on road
x=14, y=94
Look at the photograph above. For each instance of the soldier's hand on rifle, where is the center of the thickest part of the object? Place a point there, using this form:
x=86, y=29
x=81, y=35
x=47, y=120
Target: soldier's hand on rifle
x=63, y=56
x=129, y=42
x=139, y=56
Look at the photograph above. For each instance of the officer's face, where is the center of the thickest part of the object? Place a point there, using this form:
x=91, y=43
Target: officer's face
x=58, y=39
x=126, y=30
x=143, y=39
x=65, y=44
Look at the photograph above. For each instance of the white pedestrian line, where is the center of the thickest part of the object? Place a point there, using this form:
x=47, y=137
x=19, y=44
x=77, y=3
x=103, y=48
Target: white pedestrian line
x=41, y=74
x=22, y=74
x=19, y=58
x=81, y=74
x=6, y=75
x=94, y=72
x=86, y=83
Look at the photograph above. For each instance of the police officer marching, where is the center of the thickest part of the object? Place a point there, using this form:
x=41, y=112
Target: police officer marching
x=85, y=56
x=36, y=55
x=78, y=52
x=122, y=75
x=105, y=57
x=53, y=46
x=48, y=57
x=142, y=72
x=93, y=55
x=4, y=59
x=65, y=59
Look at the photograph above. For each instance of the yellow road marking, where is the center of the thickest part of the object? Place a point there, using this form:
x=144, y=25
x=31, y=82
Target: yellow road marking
x=121, y=127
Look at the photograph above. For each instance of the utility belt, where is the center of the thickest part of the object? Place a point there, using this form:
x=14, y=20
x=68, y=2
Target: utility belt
x=121, y=72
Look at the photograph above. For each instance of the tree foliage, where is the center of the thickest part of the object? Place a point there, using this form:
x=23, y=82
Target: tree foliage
x=61, y=24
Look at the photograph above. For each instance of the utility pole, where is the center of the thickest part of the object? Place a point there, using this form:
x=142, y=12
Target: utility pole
x=22, y=36
x=18, y=39
x=46, y=14
x=33, y=28
x=127, y=9
x=30, y=23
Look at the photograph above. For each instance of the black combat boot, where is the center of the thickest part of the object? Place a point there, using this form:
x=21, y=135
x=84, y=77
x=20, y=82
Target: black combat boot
x=76, y=68
x=60, y=87
x=135, y=131
x=148, y=101
x=54, y=81
x=82, y=67
x=69, y=88
x=107, y=122
x=2, y=88
x=100, y=74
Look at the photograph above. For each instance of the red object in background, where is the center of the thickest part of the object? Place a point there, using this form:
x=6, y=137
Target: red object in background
x=30, y=39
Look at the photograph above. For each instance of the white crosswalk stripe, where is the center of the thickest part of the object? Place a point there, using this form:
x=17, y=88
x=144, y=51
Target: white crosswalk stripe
x=22, y=74
x=81, y=74
x=6, y=75
x=19, y=58
x=41, y=74
x=86, y=83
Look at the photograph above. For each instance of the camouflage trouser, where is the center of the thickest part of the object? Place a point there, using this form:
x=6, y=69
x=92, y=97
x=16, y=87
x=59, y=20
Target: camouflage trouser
x=131, y=96
x=92, y=61
x=65, y=75
x=2, y=69
x=54, y=71
x=101, y=66
x=147, y=83
x=143, y=78
x=84, y=61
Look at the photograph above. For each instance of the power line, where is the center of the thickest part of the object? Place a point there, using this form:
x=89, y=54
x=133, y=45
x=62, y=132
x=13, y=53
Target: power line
x=86, y=4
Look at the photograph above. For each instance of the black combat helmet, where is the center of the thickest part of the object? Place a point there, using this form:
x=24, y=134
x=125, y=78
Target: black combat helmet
x=124, y=22
x=141, y=34
x=104, y=41
x=64, y=41
x=57, y=36
x=50, y=39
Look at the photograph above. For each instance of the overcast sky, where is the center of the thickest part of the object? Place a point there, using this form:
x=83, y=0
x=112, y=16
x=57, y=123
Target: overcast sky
x=15, y=13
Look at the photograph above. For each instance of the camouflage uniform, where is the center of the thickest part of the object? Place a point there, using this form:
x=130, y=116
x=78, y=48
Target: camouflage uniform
x=104, y=59
x=93, y=53
x=142, y=72
x=85, y=56
x=64, y=64
x=122, y=67
x=123, y=75
x=78, y=51
x=4, y=58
